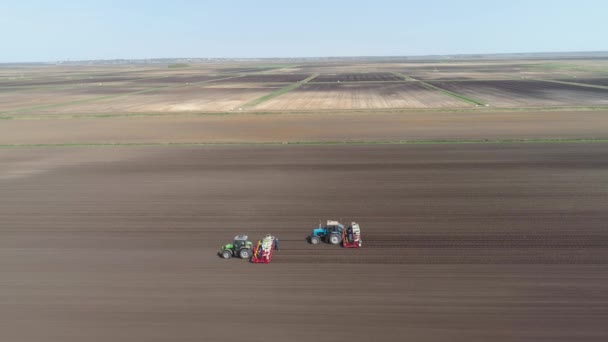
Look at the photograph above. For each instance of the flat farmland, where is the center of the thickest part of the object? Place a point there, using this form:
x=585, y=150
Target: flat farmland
x=268, y=78
x=437, y=75
x=528, y=93
x=25, y=73
x=190, y=98
x=497, y=71
x=339, y=85
x=15, y=99
x=309, y=127
x=244, y=69
x=349, y=68
x=119, y=183
x=178, y=79
x=358, y=77
x=361, y=96
x=484, y=242
x=68, y=81
x=443, y=71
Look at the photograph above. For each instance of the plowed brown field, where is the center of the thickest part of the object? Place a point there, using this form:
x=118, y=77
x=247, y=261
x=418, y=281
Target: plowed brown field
x=528, y=93
x=193, y=98
x=489, y=241
x=279, y=128
x=500, y=242
x=361, y=96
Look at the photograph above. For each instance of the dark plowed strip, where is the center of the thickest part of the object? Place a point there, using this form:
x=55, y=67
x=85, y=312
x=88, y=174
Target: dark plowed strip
x=488, y=241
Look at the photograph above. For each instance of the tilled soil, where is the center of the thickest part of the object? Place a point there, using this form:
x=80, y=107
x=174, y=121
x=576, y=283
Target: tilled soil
x=358, y=77
x=483, y=242
x=279, y=128
x=510, y=93
x=361, y=95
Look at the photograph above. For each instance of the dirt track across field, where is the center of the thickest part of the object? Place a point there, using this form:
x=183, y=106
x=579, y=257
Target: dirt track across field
x=484, y=242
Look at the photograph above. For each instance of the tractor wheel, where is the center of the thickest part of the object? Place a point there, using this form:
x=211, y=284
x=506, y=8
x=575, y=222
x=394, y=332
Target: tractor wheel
x=315, y=240
x=244, y=253
x=226, y=254
x=335, y=239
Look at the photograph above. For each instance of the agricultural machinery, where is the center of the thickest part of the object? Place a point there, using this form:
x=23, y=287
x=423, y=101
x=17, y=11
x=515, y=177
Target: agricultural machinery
x=243, y=248
x=262, y=252
x=335, y=233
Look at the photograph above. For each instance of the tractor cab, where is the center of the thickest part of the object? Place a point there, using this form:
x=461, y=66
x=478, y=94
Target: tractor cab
x=334, y=227
x=240, y=241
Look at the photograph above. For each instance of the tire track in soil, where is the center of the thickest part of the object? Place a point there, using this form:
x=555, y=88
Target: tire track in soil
x=456, y=249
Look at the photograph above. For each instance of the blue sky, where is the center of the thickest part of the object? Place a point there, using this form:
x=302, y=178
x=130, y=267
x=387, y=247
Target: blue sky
x=61, y=30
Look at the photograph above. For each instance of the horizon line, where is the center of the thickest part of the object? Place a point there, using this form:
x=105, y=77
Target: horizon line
x=469, y=55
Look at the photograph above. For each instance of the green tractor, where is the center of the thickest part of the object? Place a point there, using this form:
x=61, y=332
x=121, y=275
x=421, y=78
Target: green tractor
x=241, y=247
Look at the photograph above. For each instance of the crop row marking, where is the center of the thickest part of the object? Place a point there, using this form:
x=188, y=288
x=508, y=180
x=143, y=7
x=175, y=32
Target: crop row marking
x=278, y=92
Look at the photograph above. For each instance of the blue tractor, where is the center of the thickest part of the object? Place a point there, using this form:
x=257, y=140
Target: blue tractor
x=330, y=233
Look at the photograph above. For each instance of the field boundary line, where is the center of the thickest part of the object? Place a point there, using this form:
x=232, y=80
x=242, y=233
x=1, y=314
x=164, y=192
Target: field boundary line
x=350, y=82
x=269, y=70
x=454, y=95
x=446, y=92
x=277, y=93
x=315, y=143
x=405, y=77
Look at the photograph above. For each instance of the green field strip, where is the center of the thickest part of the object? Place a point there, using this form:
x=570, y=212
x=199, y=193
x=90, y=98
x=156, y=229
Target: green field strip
x=100, y=98
x=275, y=67
x=264, y=68
x=405, y=77
x=575, y=84
x=304, y=143
x=278, y=92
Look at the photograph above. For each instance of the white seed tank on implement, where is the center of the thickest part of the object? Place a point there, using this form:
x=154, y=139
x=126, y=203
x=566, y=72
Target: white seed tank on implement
x=352, y=236
x=262, y=252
